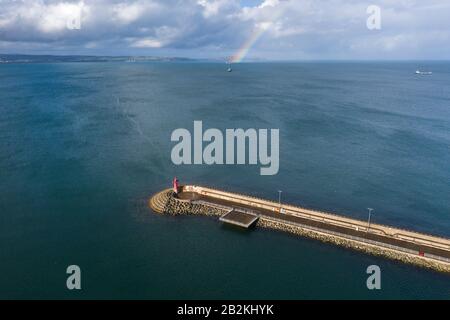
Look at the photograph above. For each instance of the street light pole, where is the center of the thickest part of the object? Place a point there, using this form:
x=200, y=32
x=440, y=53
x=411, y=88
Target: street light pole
x=279, y=199
x=368, y=221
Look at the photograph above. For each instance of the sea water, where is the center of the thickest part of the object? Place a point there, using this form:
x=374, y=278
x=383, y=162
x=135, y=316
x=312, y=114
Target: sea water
x=84, y=145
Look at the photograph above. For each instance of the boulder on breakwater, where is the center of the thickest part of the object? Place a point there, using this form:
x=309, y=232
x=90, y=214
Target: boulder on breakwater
x=166, y=202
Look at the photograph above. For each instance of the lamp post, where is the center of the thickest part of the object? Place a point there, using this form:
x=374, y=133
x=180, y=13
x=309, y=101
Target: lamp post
x=279, y=199
x=368, y=221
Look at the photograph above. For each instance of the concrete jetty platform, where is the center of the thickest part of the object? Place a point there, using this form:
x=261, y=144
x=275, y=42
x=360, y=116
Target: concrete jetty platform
x=407, y=246
x=239, y=218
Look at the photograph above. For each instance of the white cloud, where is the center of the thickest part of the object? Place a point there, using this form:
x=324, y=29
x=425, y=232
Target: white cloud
x=269, y=3
x=214, y=7
x=129, y=12
x=146, y=43
x=216, y=28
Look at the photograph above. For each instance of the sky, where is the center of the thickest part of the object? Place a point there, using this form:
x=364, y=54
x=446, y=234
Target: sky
x=238, y=30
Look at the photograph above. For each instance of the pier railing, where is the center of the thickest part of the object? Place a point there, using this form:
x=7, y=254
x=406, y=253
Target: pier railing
x=358, y=239
x=399, y=234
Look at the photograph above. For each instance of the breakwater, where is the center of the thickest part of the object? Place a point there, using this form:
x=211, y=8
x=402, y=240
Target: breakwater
x=401, y=245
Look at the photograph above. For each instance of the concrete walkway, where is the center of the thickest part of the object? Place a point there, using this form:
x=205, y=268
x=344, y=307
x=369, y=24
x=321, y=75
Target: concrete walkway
x=412, y=242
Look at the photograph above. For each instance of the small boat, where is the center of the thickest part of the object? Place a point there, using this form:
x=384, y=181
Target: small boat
x=229, y=67
x=424, y=72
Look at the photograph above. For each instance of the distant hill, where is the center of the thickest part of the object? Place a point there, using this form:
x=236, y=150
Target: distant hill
x=23, y=58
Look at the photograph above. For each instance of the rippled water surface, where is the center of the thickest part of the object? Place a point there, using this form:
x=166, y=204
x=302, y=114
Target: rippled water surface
x=84, y=145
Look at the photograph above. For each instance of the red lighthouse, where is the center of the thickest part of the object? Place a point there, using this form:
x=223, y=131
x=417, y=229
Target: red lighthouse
x=175, y=185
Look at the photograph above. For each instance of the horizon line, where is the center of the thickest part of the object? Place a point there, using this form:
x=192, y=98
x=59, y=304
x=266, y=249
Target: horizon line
x=218, y=59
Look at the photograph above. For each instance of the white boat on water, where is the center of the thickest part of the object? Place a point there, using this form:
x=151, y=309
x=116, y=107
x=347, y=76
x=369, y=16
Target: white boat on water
x=424, y=72
x=229, y=69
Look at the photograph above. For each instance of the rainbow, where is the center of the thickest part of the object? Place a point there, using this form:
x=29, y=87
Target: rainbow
x=258, y=31
x=247, y=45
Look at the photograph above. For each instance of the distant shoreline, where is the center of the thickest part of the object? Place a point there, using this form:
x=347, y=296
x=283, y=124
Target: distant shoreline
x=23, y=58
x=9, y=58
